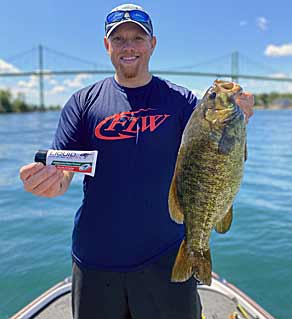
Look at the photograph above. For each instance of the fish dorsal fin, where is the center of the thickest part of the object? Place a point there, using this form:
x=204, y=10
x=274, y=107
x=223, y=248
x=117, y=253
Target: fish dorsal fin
x=224, y=224
x=173, y=204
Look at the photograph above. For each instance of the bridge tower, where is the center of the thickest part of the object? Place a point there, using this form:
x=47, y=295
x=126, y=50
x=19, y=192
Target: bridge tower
x=234, y=66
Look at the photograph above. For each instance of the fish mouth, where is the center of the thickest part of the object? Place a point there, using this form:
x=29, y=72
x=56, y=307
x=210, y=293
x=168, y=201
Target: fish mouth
x=227, y=87
x=222, y=107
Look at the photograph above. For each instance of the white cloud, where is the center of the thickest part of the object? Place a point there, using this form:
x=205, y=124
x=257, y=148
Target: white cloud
x=6, y=67
x=29, y=87
x=29, y=93
x=281, y=50
x=262, y=86
x=243, y=23
x=32, y=83
x=279, y=75
x=56, y=90
x=199, y=93
x=262, y=23
x=52, y=81
x=77, y=81
x=50, y=78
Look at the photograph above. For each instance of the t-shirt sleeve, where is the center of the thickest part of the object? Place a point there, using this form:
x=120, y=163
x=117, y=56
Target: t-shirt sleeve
x=68, y=135
x=191, y=104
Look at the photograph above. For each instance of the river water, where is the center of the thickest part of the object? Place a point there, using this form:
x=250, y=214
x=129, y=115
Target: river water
x=255, y=255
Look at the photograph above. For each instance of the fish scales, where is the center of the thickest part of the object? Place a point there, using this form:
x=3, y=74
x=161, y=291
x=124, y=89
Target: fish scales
x=206, y=180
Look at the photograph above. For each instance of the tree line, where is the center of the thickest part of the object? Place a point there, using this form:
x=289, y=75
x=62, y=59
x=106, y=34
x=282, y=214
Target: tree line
x=273, y=98
x=8, y=104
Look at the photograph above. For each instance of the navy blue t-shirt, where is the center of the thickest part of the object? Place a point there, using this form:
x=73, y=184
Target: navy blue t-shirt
x=123, y=222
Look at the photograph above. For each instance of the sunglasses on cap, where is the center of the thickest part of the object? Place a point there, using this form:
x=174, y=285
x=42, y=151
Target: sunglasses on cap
x=135, y=15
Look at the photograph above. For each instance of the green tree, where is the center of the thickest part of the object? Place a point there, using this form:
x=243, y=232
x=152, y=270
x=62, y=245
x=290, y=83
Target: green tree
x=273, y=96
x=263, y=99
x=5, y=101
x=20, y=106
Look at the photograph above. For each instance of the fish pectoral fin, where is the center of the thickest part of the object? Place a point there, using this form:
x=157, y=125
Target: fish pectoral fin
x=225, y=223
x=226, y=144
x=228, y=139
x=185, y=266
x=173, y=204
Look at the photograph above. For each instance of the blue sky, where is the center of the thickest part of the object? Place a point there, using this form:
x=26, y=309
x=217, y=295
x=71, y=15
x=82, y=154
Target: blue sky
x=189, y=33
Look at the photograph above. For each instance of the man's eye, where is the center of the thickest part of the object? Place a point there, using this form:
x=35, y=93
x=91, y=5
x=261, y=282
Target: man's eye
x=117, y=39
x=139, y=38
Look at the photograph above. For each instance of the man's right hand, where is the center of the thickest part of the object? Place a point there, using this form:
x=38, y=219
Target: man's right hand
x=42, y=180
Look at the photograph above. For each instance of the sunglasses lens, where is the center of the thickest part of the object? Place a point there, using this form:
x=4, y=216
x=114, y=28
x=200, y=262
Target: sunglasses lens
x=139, y=16
x=134, y=15
x=115, y=16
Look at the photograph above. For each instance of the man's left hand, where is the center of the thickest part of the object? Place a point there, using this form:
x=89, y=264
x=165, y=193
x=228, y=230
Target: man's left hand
x=246, y=102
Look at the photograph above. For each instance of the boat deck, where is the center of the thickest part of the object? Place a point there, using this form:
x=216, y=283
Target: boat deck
x=58, y=309
x=215, y=306
x=221, y=300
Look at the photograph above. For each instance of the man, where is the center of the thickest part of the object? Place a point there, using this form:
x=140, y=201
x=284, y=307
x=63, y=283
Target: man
x=124, y=243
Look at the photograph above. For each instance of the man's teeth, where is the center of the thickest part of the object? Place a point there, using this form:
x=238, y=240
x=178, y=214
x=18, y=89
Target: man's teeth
x=129, y=58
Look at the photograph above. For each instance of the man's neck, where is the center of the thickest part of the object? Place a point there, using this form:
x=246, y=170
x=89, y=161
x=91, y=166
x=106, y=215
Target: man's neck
x=133, y=82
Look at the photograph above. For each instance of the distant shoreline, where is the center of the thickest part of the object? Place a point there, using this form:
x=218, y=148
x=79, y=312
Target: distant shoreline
x=54, y=109
x=272, y=107
x=256, y=107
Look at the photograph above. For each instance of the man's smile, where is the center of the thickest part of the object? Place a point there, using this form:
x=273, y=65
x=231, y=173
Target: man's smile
x=129, y=59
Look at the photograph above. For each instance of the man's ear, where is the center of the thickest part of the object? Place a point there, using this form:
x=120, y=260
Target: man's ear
x=153, y=43
x=106, y=44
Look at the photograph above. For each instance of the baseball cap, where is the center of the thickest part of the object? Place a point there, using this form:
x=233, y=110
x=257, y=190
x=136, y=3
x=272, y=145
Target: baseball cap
x=128, y=13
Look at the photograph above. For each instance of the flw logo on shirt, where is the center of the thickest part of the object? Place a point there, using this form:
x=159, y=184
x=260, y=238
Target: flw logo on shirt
x=126, y=125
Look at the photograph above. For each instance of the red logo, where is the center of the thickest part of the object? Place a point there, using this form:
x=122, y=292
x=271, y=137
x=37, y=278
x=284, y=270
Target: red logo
x=127, y=124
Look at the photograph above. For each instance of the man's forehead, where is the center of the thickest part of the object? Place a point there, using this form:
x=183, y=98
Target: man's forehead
x=128, y=26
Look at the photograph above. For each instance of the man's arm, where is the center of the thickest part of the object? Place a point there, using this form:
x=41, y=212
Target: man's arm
x=45, y=181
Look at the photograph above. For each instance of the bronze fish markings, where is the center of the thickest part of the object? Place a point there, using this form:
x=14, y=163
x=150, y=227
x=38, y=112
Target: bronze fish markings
x=208, y=174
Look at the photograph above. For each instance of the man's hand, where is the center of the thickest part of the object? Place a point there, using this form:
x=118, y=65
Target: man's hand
x=246, y=102
x=42, y=180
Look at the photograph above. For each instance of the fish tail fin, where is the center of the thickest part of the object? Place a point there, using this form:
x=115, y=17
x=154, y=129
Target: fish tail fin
x=198, y=265
x=203, y=267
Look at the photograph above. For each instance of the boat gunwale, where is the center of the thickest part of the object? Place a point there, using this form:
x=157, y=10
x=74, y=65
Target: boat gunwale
x=44, y=300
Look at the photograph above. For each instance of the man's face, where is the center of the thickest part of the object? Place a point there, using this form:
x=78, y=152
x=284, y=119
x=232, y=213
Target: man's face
x=130, y=48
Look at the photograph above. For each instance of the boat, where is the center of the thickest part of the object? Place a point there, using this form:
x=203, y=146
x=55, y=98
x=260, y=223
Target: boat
x=221, y=300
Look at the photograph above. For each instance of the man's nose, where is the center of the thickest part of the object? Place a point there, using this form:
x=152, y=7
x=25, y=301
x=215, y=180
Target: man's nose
x=128, y=44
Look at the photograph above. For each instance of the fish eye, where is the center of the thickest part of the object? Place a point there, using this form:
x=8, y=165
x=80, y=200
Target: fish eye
x=212, y=96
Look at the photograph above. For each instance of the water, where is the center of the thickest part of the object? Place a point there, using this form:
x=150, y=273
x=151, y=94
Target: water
x=256, y=255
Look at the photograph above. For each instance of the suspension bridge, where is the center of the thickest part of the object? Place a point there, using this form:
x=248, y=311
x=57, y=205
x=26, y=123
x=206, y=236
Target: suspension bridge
x=40, y=70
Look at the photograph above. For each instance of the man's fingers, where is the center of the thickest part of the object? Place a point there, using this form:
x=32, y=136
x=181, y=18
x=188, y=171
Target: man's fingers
x=246, y=102
x=28, y=170
x=41, y=180
x=39, y=177
x=50, y=186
